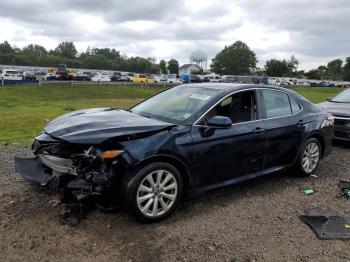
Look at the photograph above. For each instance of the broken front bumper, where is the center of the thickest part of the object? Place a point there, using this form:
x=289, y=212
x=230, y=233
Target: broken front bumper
x=33, y=170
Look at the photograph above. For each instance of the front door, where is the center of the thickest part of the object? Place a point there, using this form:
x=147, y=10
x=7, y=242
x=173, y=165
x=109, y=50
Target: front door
x=224, y=154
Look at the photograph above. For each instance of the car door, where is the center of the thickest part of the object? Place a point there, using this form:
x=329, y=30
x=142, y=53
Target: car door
x=285, y=128
x=225, y=154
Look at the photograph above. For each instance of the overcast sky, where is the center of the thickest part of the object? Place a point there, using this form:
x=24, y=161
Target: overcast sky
x=314, y=31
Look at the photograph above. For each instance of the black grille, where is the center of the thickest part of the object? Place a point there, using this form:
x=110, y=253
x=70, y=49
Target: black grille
x=338, y=121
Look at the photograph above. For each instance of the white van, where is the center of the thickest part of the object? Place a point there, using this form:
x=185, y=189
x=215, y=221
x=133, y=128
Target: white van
x=213, y=78
x=172, y=79
x=10, y=74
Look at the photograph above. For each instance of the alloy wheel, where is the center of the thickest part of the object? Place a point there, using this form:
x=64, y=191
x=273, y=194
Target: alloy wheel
x=157, y=193
x=310, y=158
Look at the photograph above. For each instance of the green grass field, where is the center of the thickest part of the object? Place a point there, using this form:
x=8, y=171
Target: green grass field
x=24, y=109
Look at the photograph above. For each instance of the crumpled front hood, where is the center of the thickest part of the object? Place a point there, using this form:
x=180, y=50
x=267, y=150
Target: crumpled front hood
x=337, y=109
x=94, y=126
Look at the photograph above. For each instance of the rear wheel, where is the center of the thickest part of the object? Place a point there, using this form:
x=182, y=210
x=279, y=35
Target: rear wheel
x=309, y=157
x=154, y=192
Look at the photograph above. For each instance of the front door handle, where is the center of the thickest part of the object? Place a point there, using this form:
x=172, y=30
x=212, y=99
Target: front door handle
x=258, y=130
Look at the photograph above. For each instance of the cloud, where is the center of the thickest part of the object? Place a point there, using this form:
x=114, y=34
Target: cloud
x=315, y=32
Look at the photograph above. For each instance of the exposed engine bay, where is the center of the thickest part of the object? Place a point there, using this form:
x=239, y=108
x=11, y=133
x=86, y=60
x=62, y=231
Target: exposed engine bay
x=83, y=175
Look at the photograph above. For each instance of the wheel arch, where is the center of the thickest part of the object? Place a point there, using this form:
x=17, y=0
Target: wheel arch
x=320, y=139
x=176, y=162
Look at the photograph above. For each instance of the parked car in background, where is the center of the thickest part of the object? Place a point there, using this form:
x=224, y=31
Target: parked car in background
x=82, y=76
x=173, y=79
x=326, y=84
x=190, y=79
x=344, y=84
x=160, y=78
x=213, y=78
x=10, y=74
x=228, y=79
x=51, y=76
x=302, y=83
x=101, y=77
x=28, y=75
x=196, y=79
x=40, y=72
x=124, y=78
x=184, y=141
x=339, y=107
x=115, y=77
x=140, y=78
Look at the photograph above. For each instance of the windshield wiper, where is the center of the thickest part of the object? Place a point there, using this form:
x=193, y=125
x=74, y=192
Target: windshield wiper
x=339, y=102
x=143, y=115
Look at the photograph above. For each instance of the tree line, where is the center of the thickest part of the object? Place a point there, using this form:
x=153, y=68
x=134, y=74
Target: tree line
x=235, y=59
x=92, y=58
x=239, y=59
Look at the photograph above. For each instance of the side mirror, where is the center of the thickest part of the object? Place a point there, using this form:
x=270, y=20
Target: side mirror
x=220, y=122
x=329, y=98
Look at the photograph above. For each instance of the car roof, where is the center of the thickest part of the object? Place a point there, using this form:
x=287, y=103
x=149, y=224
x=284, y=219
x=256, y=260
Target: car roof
x=231, y=87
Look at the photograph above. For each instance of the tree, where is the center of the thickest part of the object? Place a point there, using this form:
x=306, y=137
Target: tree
x=66, y=49
x=162, y=66
x=236, y=59
x=334, y=69
x=34, y=50
x=6, y=48
x=319, y=73
x=282, y=68
x=106, y=52
x=173, y=66
x=313, y=74
x=346, y=70
x=277, y=68
x=293, y=66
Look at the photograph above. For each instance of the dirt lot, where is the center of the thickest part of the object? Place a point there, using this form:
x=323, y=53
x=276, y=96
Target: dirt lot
x=254, y=221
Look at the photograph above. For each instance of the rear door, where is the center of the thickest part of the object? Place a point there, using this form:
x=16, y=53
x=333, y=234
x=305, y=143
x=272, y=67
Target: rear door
x=285, y=127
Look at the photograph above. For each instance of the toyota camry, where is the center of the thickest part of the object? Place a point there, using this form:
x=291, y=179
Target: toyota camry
x=179, y=143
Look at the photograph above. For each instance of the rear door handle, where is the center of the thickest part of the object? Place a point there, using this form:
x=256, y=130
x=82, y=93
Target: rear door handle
x=258, y=130
x=302, y=122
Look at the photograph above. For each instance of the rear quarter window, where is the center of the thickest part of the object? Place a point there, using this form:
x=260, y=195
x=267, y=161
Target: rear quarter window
x=295, y=106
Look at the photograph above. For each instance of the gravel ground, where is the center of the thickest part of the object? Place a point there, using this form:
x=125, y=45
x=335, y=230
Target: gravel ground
x=253, y=221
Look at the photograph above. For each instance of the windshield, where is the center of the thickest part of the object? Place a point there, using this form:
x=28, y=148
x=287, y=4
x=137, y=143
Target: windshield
x=176, y=104
x=343, y=97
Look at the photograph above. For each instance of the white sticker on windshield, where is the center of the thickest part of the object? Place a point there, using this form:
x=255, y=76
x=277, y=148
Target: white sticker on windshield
x=201, y=97
x=187, y=115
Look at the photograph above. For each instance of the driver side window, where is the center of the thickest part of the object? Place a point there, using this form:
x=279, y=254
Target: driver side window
x=240, y=107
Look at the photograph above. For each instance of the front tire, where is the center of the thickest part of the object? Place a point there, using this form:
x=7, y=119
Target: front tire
x=154, y=192
x=309, y=158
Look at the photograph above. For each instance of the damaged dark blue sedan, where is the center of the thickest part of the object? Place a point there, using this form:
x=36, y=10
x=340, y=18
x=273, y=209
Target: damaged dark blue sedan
x=181, y=142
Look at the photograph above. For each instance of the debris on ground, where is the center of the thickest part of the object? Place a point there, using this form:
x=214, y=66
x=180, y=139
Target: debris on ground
x=234, y=220
x=55, y=202
x=309, y=191
x=345, y=187
x=74, y=212
x=327, y=223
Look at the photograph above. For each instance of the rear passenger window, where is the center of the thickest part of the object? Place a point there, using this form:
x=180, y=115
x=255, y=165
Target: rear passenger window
x=276, y=103
x=294, y=105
